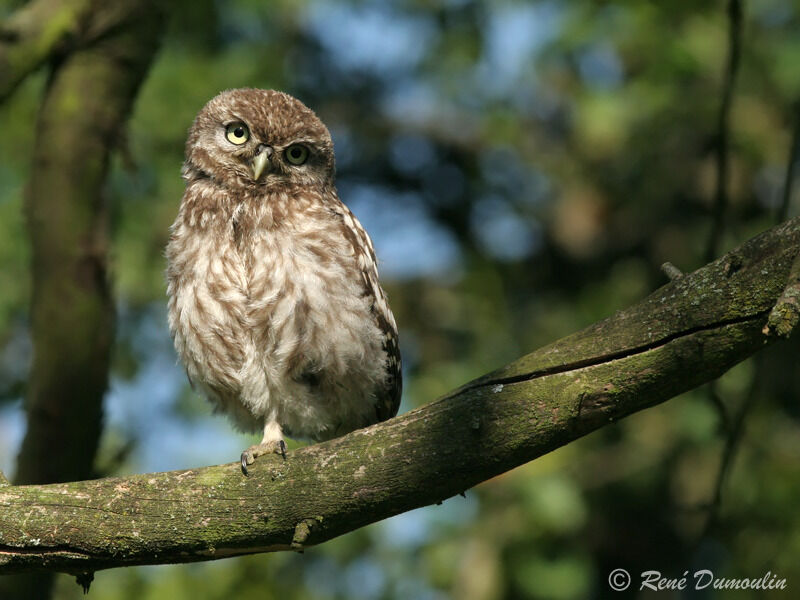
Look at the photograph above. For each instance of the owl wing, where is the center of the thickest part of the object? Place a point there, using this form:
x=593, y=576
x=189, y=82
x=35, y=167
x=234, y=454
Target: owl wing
x=388, y=397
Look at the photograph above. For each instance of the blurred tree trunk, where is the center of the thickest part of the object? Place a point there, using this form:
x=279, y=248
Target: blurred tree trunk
x=96, y=68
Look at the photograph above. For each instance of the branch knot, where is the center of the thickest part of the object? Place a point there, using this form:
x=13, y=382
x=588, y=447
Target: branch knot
x=303, y=531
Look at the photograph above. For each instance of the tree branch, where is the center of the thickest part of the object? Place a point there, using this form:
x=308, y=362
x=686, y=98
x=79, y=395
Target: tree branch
x=791, y=165
x=722, y=154
x=785, y=315
x=735, y=430
x=33, y=34
x=686, y=333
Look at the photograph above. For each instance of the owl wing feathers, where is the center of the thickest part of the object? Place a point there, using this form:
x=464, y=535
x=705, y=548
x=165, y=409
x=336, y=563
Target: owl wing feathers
x=388, y=398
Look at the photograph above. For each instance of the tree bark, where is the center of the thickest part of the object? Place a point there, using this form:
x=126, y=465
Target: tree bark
x=34, y=34
x=98, y=54
x=686, y=333
x=86, y=103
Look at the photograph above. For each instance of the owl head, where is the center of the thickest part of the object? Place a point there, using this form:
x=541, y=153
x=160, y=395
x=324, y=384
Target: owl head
x=251, y=138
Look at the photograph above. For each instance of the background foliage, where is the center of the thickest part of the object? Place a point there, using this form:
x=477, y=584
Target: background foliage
x=523, y=168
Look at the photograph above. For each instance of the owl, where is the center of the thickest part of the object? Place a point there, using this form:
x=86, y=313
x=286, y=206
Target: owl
x=274, y=306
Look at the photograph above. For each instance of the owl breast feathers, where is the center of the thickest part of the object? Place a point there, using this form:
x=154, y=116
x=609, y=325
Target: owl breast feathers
x=274, y=302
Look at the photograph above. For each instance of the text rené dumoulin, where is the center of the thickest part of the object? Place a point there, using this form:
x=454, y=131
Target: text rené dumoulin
x=705, y=579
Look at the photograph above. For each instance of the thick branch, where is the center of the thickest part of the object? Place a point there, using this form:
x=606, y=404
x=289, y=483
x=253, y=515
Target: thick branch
x=34, y=34
x=686, y=333
x=785, y=315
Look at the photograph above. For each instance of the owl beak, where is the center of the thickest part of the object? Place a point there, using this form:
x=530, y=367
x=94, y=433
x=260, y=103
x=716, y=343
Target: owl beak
x=260, y=160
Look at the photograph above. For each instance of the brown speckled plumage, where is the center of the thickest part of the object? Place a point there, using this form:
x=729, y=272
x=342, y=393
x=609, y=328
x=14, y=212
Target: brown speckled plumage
x=274, y=302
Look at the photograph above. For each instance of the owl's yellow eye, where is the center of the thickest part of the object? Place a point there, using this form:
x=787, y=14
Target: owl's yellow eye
x=237, y=133
x=296, y=154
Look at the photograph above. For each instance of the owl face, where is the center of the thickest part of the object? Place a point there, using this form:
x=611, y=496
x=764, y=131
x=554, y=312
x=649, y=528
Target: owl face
x=259, y=139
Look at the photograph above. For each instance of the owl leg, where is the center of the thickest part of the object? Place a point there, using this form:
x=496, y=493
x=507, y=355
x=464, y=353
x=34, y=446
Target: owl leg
x=272, y=442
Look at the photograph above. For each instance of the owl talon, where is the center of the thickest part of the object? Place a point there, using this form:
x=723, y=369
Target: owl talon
x=253, y=452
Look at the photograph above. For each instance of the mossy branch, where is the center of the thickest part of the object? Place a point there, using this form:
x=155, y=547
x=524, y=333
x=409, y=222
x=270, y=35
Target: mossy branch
x=686, y=333
x=36, y=33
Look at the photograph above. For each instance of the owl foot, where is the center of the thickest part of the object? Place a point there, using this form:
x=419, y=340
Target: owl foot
x=253, y=452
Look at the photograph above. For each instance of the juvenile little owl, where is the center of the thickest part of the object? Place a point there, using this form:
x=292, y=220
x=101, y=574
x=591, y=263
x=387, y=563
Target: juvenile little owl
x=274, y=302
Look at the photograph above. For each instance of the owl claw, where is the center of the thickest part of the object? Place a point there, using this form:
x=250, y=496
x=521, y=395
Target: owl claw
x=253, y=452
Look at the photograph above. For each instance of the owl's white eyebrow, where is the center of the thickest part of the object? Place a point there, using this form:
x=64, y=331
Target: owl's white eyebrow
x=306, y=141
x=235, y=119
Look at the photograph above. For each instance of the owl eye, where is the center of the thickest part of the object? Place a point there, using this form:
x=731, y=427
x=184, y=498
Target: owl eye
x=296, y=154
x=237, y=133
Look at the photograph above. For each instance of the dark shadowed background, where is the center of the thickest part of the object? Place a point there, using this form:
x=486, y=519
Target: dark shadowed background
x=524, y=168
